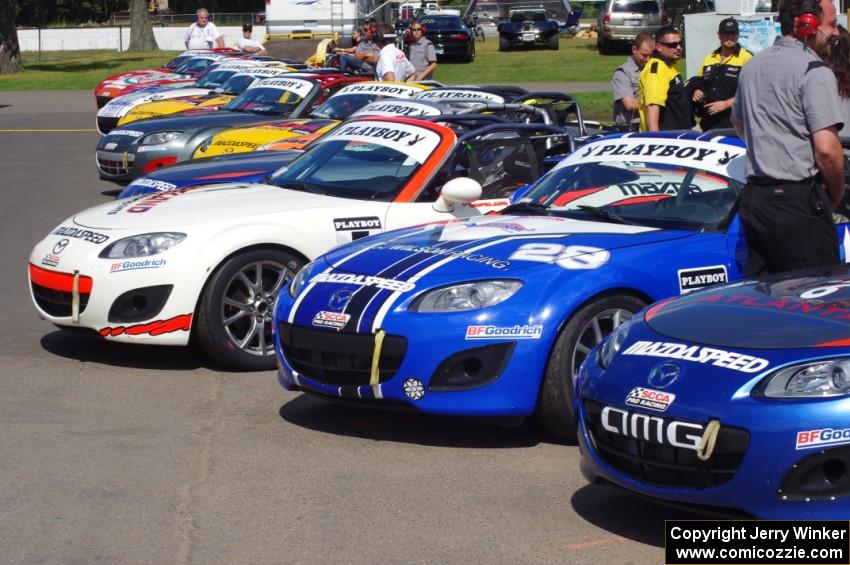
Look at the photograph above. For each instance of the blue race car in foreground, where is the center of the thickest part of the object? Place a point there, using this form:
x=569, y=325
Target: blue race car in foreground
x=734, y=399
x=493, y=316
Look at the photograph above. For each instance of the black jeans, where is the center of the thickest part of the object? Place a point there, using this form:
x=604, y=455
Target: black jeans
x=788, y=226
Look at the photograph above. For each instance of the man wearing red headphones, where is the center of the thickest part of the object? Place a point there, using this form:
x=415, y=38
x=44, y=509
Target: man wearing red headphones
x=787, y=111
x=421, y=52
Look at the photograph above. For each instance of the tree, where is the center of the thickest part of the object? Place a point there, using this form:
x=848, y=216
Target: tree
x=141, y=32
x=10, y=51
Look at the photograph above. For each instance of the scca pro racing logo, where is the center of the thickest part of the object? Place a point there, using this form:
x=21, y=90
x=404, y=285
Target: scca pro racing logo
x=336, y=320
x=136, y=265
x=496, y=332
x=652, y=399
x=822, y=437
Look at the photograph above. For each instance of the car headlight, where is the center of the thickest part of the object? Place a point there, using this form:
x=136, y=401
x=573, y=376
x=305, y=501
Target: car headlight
x=816, y=379
x=159, y=137
x=297, y=282
x=466, y=296
x=142, y=245
x=612, y=345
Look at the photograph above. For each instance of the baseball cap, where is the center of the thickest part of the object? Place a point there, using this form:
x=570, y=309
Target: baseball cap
x=247, y=27
x=729, y=25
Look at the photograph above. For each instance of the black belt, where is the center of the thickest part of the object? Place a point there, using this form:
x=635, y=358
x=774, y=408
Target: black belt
x=770, y=181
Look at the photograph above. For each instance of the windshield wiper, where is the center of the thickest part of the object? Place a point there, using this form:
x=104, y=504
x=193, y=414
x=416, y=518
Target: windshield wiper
x=605, y=214
x=527, y=207
x=302, y=186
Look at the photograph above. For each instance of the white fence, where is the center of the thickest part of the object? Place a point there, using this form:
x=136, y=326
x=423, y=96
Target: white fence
x=117, y=38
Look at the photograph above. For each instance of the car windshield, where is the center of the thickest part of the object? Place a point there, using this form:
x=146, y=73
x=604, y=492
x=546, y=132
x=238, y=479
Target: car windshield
x=349, y=168
x=237, y=84
x=636, y=6
x=640, y=193
x=177, y=61
x=215, y=78
x=444, y=22
x=528, y=15
x=193, y=66
x=271, y=101
x=341, y=107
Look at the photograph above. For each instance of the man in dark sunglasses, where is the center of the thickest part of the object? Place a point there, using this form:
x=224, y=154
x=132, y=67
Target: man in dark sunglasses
x=664, y=102
x=421, y=52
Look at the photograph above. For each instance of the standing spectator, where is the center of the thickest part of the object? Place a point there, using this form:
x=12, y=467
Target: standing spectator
x=392, y=63
x=248, y=45
x=421, y=52
x=719, y=83
x=624, y=83
x=664, y=102
x=203, y=34
x=788, y=113
x=838, y=59
x=365, y=53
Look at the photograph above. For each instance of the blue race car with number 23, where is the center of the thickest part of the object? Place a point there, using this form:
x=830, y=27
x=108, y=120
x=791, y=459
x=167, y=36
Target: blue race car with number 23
x=734, y=399
x=494, y=315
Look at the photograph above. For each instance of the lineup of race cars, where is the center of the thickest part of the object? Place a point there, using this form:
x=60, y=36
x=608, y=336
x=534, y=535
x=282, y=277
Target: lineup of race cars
x=465, y=250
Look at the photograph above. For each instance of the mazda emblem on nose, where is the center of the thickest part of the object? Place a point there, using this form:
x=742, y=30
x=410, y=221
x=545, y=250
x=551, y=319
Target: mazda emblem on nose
x=664, y=374
x=60, y=246
x=340, y=298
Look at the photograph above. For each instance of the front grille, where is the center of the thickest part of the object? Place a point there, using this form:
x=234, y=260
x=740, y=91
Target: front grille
x=102, y=100
x=56, y=302
x=666, y=465
x=106, y=125
x=114, y=166
x=339, y=358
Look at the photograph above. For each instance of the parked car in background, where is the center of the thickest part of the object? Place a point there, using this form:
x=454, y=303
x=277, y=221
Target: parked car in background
x=450, y=36
x=620, y=21
x=528, y=26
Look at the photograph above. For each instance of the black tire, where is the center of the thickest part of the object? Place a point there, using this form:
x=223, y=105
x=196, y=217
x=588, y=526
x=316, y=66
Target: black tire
x=554, y=42
x=555, y=403
x=504, y=44
x=603, y=46
x=471, y=55
x=229, y=314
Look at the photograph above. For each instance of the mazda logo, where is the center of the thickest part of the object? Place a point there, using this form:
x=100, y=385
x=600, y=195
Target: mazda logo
x=60, y=246
x=340, y=298
x=663, y=375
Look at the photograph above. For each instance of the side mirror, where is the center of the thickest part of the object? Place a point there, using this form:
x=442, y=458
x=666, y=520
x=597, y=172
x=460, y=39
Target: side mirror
x=460, y=190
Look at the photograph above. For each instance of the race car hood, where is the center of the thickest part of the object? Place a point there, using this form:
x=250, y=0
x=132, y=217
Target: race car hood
x=807, y=309
x=249, y=138
x=202, y=204
x=497, y=244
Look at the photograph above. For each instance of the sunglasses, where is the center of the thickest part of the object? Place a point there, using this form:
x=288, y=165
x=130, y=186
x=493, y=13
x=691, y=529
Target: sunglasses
x=671, y=44
x=416, y=29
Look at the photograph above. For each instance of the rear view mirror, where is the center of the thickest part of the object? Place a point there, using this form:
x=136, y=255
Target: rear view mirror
x=460, y=190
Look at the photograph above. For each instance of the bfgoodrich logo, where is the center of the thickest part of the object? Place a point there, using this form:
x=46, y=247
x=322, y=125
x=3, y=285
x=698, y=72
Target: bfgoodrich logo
x=512, y=332
x=136, y=265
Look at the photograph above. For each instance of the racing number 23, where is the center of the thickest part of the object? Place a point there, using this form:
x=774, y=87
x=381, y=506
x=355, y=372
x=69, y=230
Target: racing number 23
x=565, y=256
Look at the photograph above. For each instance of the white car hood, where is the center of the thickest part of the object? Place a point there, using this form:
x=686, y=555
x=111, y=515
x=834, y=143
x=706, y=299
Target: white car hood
x=204, y=204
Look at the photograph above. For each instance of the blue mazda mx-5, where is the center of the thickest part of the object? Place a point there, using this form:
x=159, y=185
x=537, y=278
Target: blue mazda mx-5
x=735, y=398
x=493, y=316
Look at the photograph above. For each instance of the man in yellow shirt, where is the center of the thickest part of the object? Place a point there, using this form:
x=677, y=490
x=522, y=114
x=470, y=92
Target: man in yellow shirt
x=719, y=83
x=664, y=103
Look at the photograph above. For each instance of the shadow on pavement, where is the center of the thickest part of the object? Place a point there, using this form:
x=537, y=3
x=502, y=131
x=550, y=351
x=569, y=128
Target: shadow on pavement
x=626, y=515
x=93, y=349
x=329, y=417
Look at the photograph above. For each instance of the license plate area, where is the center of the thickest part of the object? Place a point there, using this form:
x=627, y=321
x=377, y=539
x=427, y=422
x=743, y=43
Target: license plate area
x=528, y=36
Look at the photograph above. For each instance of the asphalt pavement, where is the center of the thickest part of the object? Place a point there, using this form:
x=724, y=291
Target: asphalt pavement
x=118, y=454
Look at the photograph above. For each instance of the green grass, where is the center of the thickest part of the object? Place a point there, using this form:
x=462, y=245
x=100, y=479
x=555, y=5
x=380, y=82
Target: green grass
x=73, y=70
x=576, y=61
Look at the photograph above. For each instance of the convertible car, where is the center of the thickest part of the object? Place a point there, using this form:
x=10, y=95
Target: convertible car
x=209, y=261
x=734, y=400
x=492, y=316
x=147, y=145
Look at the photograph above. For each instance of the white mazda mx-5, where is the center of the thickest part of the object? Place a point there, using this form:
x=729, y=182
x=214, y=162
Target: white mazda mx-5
x=207, y=262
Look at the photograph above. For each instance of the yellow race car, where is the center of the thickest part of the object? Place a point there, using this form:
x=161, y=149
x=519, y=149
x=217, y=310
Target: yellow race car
x=232, y=88
x=295, y=134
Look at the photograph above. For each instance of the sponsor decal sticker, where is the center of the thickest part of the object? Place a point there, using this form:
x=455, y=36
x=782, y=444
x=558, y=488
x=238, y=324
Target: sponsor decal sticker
x=299, y=87
x=110, y=145
x=494, y=262
x=652, y=429
x=701, y=277
x=683, y=152
x=235, y=143
x=149, y=202
x=415, y=142
x=336, y=320
x=383, y=89
x=414, y=389
x=127, y=132
x=534, y=331
x=823, y=437
x=80, y=233
x=651, y=399
x=364, y=223
x=160, y=185
x=398, y=108
x=460, y=95
x=697, y=354
x=152, y=148
x=50, y=260
x=136, y=264
x=363, y=280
